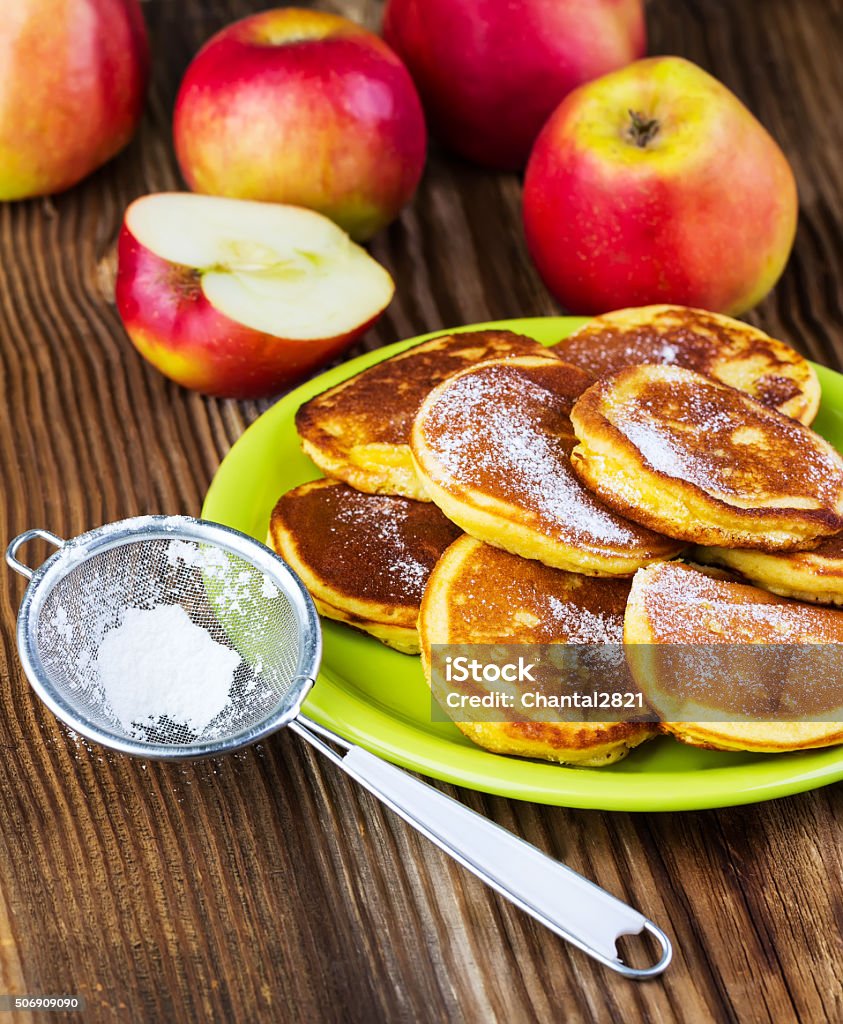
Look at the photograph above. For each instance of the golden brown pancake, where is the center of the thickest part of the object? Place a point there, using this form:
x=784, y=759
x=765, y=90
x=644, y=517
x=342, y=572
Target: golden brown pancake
x=478, y=594
x=703, y=462
x=359, y=431
x=728, y=350
x=815, y=575
x=364, y=558
x=492, y=446
x=674, y=604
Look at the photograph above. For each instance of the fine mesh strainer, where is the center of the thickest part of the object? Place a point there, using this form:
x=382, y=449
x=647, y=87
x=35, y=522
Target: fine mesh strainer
x=250, y=602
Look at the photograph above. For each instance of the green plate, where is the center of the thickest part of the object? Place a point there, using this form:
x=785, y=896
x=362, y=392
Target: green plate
x=378, y=698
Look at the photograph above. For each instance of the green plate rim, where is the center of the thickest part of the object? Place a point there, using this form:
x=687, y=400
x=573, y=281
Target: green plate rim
x=399, y=740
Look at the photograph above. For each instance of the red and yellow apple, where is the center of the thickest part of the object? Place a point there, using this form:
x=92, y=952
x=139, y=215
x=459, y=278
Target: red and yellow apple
x=71, y=90
x=239, y=299
x=302, y=107
x=656, y=184
x=490, y=72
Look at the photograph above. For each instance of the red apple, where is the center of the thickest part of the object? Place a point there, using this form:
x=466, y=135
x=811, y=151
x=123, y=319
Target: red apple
x=71, y=90
x=302, y=107
x=655, y=184
x=490, y=72
x=239, y=299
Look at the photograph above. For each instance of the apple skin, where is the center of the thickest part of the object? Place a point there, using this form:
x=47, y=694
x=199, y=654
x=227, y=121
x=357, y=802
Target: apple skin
x=305, y=108
x=703, y=214
x=490, y=72
x=174, y=326
x=71, y=92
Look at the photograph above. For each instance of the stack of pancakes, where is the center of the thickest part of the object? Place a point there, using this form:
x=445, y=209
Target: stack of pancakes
x=577, y=475
x=365, y=541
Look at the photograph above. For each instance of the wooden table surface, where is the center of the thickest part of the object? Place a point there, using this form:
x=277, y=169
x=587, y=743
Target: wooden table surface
x=266, y=886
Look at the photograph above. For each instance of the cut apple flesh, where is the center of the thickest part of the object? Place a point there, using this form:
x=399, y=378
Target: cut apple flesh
x=282, y=270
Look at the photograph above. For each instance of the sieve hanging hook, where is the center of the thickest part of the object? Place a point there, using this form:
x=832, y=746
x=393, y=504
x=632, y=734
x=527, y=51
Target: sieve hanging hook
x=25, y=538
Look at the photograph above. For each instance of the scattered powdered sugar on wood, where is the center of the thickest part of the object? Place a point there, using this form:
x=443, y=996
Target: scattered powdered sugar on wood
x=498, y=428
x=157, y=664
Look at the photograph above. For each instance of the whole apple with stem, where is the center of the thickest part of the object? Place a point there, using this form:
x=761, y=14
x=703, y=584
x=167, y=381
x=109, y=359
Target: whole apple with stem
x=73, y=75
x=655, y=184
x=240, y=299
x=302, y=107
x=490, y=72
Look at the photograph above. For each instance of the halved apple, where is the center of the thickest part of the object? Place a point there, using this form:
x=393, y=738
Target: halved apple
x=237, y=298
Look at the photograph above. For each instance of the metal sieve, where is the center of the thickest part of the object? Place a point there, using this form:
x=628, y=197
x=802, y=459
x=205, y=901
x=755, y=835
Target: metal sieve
x=249, y=601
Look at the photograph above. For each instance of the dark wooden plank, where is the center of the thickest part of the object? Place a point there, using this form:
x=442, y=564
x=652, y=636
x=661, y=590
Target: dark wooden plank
x=265, y=886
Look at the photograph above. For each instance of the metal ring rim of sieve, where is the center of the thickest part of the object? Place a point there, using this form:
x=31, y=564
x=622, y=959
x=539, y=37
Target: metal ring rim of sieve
x=79, y=549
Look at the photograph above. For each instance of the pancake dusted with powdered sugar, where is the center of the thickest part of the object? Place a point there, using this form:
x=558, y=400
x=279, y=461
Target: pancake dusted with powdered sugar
x=365, y=558
x=479, y=594
x=728, y=350
x=492, y=446
x=359, y=431
x=773, y=648
x=704, y=462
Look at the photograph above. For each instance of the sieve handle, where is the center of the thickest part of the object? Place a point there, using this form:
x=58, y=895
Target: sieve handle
x=25, y=538
x=556, y=896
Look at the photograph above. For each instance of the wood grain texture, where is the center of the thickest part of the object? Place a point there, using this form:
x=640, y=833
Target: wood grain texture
x=266, y=887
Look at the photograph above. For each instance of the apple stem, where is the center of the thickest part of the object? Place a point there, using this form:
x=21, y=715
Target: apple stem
x=642, y=129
